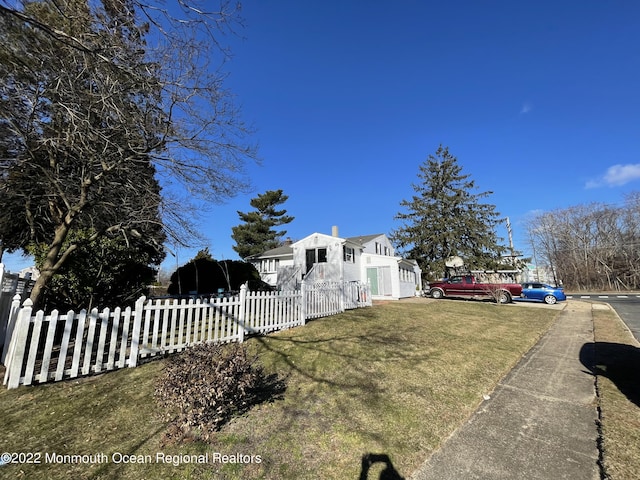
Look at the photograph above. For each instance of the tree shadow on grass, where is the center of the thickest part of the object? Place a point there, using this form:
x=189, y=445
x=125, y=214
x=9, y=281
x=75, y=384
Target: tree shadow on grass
x=618, y=362
x=356, y=348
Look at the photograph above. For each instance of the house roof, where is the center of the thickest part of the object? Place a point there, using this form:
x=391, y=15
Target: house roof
x=283, y=251
x=364, y=238
x=287, y=250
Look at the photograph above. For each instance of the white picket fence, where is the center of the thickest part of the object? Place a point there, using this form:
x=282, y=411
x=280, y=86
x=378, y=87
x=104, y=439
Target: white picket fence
x=11, y=284
x=58, y=346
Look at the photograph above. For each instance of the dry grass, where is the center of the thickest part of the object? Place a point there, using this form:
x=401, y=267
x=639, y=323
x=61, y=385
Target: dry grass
x=618, y=367
x=394, y=379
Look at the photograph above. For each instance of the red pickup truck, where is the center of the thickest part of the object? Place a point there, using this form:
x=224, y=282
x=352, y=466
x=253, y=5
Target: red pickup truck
x=467, y=286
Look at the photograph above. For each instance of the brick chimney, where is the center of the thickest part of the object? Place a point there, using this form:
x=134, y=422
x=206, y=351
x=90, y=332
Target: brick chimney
x=334, y=231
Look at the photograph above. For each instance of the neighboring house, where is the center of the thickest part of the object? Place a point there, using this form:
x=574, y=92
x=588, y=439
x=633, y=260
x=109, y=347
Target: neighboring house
x=324, y=258
x=31, y=273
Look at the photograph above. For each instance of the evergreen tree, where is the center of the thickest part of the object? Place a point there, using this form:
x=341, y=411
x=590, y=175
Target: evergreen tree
x=108, y=271
x=203, y=254
x=445, y=217
x=256, y=234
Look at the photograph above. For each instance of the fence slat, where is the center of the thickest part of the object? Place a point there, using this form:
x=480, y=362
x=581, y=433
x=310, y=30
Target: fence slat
x=11, y=321
x=187, y=333
x=163, y=316
x=135, y=332
x=18, y=346
x=77, y=346
x=33, y=349
x=156, y=327
x=144, y=342
x=104, y=323
x=93, y=320
x=48, y=347
x=197, y=313
x=64, y=346
x=113, y=339
x=122, y=360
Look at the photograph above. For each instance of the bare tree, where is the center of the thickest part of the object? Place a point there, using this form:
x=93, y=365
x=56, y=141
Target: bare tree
x=594, y=246
x=100, y=102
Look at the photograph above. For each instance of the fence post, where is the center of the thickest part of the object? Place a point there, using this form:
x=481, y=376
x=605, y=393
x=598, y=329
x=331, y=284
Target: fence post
x=303, y=302
x=242, y=312
x=18, y=345
x=11, y=322
x=135, y=334
x=6, y=327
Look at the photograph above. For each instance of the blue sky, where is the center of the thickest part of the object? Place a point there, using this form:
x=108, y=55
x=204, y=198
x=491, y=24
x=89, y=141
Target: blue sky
x=538, y=100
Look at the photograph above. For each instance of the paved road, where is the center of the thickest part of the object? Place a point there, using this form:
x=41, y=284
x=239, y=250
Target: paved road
x=629, y=311
x=601, y=296
x=627, y=307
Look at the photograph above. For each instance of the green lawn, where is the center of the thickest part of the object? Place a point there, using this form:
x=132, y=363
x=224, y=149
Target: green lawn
x=394, y=379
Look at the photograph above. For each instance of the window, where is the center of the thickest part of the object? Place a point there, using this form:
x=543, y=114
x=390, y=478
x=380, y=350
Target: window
x=407, y=275
x=268, y=265
x=348, y=255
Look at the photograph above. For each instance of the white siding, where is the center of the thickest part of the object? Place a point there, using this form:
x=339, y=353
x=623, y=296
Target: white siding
x=395, y=277
x=331, y=270
x=351, y=266
x=381, y=245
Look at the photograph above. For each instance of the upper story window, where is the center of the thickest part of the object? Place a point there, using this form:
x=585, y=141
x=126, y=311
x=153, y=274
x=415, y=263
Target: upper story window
x=348, y=255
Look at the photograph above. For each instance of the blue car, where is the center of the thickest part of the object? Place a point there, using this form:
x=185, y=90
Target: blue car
x=542, y=292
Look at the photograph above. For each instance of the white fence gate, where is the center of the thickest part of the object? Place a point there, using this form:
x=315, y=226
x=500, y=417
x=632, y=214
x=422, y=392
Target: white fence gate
x=59, y=346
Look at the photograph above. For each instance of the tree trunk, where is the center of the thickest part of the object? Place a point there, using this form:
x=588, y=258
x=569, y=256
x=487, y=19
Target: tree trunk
x=51, y=264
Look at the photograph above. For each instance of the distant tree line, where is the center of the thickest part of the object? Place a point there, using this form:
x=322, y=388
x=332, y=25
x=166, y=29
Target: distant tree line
x=594, y=246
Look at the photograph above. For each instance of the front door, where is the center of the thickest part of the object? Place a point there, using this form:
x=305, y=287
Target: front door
x=310, y=259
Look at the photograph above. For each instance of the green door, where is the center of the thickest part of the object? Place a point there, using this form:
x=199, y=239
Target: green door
x=372, y=277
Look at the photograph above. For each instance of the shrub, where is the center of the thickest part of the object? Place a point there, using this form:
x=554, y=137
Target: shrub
x=205, y=386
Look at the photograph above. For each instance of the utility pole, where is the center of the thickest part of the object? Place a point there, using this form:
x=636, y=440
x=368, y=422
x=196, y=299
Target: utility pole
x=513, y=251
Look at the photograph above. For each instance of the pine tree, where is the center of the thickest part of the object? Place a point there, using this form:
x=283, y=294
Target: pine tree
x=445, y=217
x=256, y=234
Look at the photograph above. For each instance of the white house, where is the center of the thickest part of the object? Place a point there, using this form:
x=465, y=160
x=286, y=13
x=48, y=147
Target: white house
x=319, y=258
